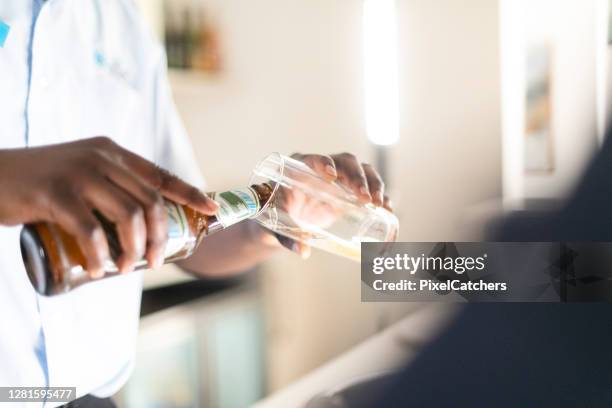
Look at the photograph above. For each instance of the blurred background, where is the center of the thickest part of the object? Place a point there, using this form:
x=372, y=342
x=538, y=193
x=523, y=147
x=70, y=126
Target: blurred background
x=469, y=107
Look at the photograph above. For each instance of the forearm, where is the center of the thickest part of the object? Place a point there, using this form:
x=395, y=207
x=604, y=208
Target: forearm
x=231, y=251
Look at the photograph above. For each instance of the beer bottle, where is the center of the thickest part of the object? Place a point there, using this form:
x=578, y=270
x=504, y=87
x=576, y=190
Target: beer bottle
x=55, y=263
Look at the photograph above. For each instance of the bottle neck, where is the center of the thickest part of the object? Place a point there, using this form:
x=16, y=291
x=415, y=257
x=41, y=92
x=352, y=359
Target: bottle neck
x=238, y=205
x=212, y=225
x=234, y=206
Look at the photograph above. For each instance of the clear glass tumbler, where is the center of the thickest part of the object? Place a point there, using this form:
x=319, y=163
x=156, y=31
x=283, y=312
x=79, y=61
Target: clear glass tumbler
x=322, y=214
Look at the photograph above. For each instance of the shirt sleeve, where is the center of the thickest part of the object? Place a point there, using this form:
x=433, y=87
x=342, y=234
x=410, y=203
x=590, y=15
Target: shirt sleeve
x=173, y=149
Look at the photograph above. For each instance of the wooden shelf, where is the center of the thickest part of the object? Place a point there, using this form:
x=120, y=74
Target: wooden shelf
x=185, y=79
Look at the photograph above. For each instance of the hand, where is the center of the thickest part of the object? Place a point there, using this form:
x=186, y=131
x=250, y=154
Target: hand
x=346, y=169
x=361, y=178
x=64, y=183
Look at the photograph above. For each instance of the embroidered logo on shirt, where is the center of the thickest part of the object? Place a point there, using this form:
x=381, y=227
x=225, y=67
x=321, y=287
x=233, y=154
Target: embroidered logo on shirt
x=4, y=31
x=99, y=58
x=115, y=68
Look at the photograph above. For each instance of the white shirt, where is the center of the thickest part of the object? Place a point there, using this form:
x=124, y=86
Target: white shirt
x=95, y=70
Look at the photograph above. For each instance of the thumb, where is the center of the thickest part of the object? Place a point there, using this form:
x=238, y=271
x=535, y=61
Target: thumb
x=299, y=248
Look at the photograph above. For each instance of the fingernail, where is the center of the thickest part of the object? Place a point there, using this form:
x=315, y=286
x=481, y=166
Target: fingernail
x=305, y=254
x=213, y=205
x=329, y=169
x=364, y=190
x=157, y=262
x=97, y=273
x=124, y=266
x=380, y=198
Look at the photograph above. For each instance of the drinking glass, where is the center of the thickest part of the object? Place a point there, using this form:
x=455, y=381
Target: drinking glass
x=326, y=215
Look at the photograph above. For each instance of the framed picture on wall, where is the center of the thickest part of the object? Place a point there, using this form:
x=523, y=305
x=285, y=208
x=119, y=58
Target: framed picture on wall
x=539, y=146
x=610, y=22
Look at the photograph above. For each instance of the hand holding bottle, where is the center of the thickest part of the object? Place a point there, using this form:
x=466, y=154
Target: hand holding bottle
x=64, y=183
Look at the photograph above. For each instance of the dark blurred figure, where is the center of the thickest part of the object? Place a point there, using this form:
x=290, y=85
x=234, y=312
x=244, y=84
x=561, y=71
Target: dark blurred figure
x=525, y=355
x=586, y=217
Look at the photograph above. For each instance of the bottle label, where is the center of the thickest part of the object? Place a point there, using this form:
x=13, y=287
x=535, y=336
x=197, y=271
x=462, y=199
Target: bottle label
x=236, y=205
x=178, y=236
x=178, y=230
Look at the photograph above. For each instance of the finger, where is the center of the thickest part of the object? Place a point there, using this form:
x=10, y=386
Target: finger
x=303, y=250
x=351, y=174
x=78, y=221
x=126, y=214
x=156, y=216
x=180, y=192
x=375, y=184
x=169, y=185
x=388, y=204
x=323, y=165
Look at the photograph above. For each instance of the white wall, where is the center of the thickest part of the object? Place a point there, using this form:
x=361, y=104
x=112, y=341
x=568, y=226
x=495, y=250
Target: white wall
x=291, y=84
x=449, y=156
